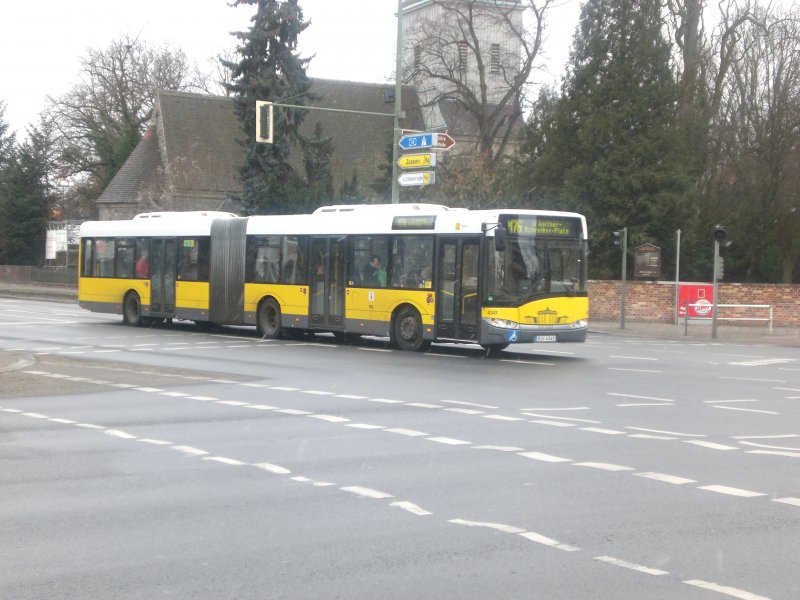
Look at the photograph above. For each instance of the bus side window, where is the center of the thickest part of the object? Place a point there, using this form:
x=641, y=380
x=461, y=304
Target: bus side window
x=88, y=258
x=124, y=258
x=412, y=262
x=104, y=258
x=294, y=252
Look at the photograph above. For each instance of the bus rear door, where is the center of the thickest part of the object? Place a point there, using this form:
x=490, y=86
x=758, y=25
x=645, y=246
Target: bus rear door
x=457, y=289
x=327, y=288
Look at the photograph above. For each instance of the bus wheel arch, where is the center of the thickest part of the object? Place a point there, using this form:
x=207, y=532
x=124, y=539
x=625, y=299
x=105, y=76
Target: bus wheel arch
x=132, y=309
x=407, y=329
x=268, y=318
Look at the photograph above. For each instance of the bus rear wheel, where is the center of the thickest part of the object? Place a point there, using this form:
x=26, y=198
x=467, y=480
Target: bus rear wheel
x=407, y=330
x=268, y=320
x=132, y=310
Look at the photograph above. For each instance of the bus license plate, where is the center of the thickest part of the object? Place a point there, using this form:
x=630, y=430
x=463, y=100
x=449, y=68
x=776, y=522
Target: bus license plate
x=545, y=338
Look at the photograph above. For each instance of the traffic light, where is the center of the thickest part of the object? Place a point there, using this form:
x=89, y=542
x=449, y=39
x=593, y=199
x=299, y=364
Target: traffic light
x=618, y=238
x=263, y=122
x=720, y=267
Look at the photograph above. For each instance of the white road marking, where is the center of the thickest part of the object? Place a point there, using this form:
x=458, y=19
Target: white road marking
x=330, y=418
x=502, y=418
x=499, y=448
x=541, y=539
x=765, y=437
x=365, y=426
x=724, y=589
x=530, y=414
x=279, y=388
x=253, y=385
x=712, y=445
x=464, y=411
x=667, y=432
x=603, y=466
x=635, y=370
x=149, y=390
x=351, y=397
x=225, y=461
x=317, y=392
x=648, y=436
x=629, y=565
x=412, y=508
x=189, y=450
x=791, y=448
x=155, y=442
x=202, y=398
x=119, y=434
x=731, y=491
x=366, y=492
x=754, y=379
x=556, y=409
x=752, y=410
x=544, y=457
x=261, y=407
x=423, y=405
x=763, y=362
x=774, y=453
x=375, y=349
x=495, y=526
x=728, y=401
x=792, y=501
x=527, y=362
x=553, y=423
x=476, y=405
x=231, y=402
x=385, y=401
x=632, y=404
x=604, y=431
x=407, y=432
x=448, y=441
x=633, y=357
x=292, y=411
x=673, y=479
x=270, y=468
x=89, y=426
x=63, y=421
x=35, y=415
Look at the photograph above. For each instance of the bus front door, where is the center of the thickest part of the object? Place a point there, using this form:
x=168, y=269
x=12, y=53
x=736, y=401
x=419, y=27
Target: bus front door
x=327, y=289
x=457, y=289
x=162, y=277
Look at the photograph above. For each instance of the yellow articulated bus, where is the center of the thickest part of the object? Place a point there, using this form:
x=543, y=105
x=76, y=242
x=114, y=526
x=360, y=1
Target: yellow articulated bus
x=416, y=273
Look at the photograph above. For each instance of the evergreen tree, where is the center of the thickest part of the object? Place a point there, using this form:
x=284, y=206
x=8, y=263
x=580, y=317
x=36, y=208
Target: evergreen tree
x=317, y=152
x=25, y=198
x=270, y=69
x=609, y=145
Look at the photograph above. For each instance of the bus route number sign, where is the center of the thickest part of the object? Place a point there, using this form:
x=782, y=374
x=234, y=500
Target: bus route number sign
x=530, y=225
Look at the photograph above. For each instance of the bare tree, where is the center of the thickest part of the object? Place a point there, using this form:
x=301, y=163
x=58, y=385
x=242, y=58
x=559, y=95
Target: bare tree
x=759, y=137
x=102, y=118
x=477, y=57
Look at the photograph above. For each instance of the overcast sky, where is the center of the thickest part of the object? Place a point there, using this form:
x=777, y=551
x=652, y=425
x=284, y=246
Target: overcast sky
x=42, y=41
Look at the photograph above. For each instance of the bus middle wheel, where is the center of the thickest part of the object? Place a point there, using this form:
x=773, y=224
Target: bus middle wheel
x=269, y=319
x=407, y=330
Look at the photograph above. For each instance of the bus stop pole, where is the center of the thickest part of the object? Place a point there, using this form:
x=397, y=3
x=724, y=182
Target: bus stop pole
x=716, y=290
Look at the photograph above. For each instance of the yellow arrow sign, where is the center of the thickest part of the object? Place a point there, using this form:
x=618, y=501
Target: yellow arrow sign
x=416, y=161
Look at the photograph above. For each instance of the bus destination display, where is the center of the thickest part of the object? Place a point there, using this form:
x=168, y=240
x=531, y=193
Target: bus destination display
x=533, y=225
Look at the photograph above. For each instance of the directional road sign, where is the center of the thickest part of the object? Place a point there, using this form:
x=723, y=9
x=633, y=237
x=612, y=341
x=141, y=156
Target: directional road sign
x=417, y=178
x=419, y=141
x=415, y=161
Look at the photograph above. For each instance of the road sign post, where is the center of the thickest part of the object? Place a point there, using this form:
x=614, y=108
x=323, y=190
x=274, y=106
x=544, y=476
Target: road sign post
x=417, y=178
x=416, y=161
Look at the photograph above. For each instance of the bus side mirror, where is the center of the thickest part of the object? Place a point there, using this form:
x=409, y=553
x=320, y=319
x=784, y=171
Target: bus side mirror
x=500, y=238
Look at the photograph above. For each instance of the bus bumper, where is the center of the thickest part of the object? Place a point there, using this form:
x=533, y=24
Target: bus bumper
x=527, y=334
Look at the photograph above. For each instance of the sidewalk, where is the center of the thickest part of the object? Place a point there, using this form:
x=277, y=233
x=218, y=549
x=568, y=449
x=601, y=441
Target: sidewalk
x=698, y=332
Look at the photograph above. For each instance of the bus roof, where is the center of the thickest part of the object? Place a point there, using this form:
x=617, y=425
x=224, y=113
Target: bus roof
x=156, y=224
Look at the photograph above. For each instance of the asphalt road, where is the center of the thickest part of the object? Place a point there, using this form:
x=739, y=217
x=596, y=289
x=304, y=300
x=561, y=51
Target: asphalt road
x=167, y=462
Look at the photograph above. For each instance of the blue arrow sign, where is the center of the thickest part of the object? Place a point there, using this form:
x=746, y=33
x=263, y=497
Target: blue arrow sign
x=418, y=140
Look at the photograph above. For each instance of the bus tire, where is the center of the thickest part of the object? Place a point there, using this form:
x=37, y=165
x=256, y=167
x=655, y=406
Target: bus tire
x=407, y=330
x=268, y=321
x=132, y=310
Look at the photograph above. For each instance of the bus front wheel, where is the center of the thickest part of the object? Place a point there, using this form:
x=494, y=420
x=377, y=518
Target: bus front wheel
x=269, y=319
x=407, y=330
x=132, y=310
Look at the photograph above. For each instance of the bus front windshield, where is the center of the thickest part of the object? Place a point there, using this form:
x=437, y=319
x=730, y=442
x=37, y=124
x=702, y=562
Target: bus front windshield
x=535, y=267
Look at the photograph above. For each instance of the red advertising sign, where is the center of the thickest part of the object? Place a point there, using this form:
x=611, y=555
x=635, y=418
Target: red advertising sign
x=697, y=298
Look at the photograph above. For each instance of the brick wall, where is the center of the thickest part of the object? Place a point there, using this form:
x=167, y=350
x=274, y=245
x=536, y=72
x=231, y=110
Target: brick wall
x=654, y=302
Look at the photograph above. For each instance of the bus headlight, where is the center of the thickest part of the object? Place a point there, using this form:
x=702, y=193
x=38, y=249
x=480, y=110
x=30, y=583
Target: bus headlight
x=502, y=323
